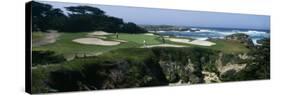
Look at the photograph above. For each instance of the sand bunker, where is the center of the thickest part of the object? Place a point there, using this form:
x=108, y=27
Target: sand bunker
x=95, y=41
x=195, y=42
x=49, y=38
x=163, y=45
x=100, y=37
x=202, y=43
x=99, y=33
x=149, y=34
x=179, y=40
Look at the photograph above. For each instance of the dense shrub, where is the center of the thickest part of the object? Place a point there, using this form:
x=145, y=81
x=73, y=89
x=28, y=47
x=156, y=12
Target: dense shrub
x=261, y=70
x=258, y=68
x=46, y=57
x=140, y=67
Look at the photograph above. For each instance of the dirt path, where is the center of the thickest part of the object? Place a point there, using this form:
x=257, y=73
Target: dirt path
x=49, y=37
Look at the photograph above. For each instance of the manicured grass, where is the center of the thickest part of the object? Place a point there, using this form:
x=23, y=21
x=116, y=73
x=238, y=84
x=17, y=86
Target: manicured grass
x=229, y=46
x=226, y=46
x=64, y=44
x=137, y=38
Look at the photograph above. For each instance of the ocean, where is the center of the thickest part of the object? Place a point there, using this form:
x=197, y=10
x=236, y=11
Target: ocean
x=206, y=33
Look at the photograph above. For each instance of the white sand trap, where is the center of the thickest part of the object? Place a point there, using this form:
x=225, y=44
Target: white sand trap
x=195, y=42
x=149, y=34
x=98, y=33
x=100, y=37
x=202, y=43
x=179, y=40
x=95, y=41
x=162, y=45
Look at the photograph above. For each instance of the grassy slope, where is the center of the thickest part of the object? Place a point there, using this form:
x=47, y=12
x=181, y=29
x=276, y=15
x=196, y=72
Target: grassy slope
x=228, y=46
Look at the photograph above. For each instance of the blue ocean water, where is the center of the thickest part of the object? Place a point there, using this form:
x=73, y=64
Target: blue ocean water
x=205, y=33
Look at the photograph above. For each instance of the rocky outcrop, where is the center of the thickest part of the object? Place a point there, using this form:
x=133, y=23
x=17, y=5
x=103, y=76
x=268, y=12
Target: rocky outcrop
x=243, y=38
x=211, y=77
x=182, y=72
x=109, y=75
x=165, y=67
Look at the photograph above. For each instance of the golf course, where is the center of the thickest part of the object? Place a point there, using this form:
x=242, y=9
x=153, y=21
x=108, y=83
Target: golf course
x=65, y=44
x=86, y=47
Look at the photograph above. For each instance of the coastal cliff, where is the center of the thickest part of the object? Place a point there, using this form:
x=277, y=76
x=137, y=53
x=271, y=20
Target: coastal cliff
x=161, y=66
x=146, y=67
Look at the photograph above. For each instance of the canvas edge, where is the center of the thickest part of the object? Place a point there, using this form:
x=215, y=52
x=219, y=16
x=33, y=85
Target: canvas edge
x=28, y=47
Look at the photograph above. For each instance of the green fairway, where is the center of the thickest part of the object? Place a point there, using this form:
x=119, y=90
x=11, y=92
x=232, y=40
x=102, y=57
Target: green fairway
x=229, y=46
x=137, y=38
x=64, y=44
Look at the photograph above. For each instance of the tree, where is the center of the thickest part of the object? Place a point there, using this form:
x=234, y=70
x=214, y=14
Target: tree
x=46, y=57
x=78, y=23
x=46, y=17
x=79, y=19
x=39, y=12
x=132, y=28
x=56, y=19
x=83, y=10
x=86, y=18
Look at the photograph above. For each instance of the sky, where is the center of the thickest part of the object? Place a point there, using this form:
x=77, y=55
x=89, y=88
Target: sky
x=153, y=16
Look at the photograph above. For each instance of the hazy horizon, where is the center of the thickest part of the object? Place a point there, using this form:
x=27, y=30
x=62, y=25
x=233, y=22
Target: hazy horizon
x=153, y=16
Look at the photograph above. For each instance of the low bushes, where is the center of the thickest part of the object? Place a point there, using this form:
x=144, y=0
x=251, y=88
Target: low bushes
x=46, y=57
x=131, y=67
